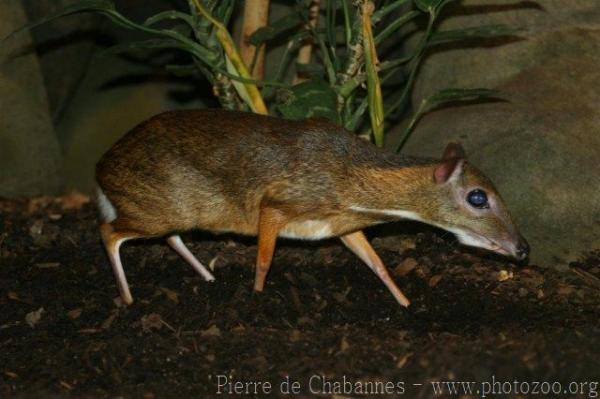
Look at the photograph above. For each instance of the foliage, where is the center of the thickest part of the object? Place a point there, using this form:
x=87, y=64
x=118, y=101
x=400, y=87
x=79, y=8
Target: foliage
x=345, y=80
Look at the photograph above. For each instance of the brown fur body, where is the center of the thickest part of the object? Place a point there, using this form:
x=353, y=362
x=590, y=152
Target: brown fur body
x=213, y=169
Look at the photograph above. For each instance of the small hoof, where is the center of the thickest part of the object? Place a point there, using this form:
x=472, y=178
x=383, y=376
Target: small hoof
x=258, y=288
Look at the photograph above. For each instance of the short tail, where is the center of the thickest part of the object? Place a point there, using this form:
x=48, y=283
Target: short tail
x=108, y=213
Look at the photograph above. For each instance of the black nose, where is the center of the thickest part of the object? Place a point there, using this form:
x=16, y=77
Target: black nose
x=522, y=249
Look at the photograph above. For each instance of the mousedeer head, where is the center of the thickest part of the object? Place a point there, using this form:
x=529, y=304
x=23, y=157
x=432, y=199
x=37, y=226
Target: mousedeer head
x=471, y=208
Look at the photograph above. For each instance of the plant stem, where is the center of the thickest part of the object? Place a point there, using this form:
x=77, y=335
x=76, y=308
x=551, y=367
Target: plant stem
x=394, y=26
x=347, y=25
x=382, y=12
x=255, y=100
x=415, y=67
x=354, y=60
x=374, y=94
x=411, y=125
x=256, y=15
x=305, y=52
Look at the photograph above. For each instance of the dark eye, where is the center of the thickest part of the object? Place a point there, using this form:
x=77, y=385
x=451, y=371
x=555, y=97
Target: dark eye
x=478, y=199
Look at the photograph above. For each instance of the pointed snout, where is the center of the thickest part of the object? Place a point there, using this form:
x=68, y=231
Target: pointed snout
x=521, y=249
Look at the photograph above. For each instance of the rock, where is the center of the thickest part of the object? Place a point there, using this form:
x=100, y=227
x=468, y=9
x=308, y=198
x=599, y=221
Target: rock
x=542, y=148
x=545, y=35
x=64, y=47
x=114, y=97
x=30, y=155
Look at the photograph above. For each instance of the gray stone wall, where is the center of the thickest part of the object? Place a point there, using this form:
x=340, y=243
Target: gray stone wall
x=30, y=155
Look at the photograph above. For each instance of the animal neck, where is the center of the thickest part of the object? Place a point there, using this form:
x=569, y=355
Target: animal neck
x=391, y=191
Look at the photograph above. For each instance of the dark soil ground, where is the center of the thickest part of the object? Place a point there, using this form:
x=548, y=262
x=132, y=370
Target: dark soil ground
x=323, y=316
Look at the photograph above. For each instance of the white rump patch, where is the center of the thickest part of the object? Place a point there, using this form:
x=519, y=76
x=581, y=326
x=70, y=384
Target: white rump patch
x=107, y=210
x=307, y=230
x=390, y=212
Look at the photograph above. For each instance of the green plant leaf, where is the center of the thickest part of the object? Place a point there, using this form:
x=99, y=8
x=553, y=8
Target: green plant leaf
x=397, y=102
x=328, y=57
x=223, y=10
x=150, y=44
x=357, y=117
x=431, y=6
x=395, y=25
x=427, y=5
x=312, y=70
x=477, y=32
x=239, y=87
x=107, y=8
x=449, y=95
x=443, y=97
x=81, y=6
x=347, y=23
x=170, y=15
x=273, y=30
x=384, y=11
x=308, y=99
x=294, y=43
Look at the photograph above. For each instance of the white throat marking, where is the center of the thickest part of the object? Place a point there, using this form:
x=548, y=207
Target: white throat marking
x=390, y=212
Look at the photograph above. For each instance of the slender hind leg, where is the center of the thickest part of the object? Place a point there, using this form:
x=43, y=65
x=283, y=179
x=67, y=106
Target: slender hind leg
x=357, y=243
x=177, y=244
x=112, y=242
x=270, y=223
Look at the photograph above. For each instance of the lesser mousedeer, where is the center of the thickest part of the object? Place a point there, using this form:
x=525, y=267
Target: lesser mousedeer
x=227, y=171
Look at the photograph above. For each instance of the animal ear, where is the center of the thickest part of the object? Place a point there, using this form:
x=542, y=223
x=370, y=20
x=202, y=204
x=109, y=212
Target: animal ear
x=454, y=150
x=448, y=170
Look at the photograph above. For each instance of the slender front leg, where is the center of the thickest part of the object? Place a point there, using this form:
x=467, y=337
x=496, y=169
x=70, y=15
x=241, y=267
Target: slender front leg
x=177, y=244
x=270, y=223
x=357, y=243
